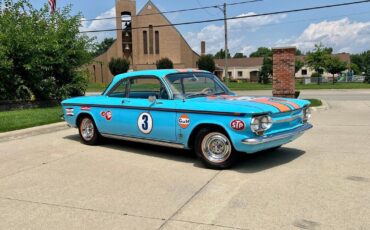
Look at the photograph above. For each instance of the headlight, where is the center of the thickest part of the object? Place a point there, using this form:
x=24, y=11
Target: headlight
x=306, y=114
x=260, y=124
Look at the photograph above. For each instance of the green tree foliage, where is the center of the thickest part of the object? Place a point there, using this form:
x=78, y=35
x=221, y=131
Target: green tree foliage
x=266, y=70
x=239, y=55
x=334, y=66
x=367, y=73
x=221, y=54
x=118, y=66
x=355, y=69
x=298, y=52
x=298, y=65
x=41, y=54
x=360, y=61
x=103, y=46
x=317, y=59
x=164, y=63
x=206, y=62
x=262, y=52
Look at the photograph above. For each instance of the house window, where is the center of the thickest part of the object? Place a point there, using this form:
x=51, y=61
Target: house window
x=151, y=50
x=156, y=42
x=304, y=72
x=240, y=73
x=145, y=40
x=230, y=74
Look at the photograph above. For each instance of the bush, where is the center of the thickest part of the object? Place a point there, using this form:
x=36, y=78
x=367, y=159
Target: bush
x=41, y=54
x=118, y=66
x=164, y=63
x=206, y=62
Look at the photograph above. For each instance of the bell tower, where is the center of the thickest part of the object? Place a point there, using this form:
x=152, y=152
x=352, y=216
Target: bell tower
x=125, y=13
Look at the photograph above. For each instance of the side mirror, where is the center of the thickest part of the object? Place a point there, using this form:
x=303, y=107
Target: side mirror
x=152, y=99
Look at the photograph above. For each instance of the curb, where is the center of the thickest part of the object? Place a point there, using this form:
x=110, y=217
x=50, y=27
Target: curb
x=23, y=133
x=324, y=106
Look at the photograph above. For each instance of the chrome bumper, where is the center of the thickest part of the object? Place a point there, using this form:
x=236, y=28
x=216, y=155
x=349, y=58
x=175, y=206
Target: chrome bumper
x=275, y=137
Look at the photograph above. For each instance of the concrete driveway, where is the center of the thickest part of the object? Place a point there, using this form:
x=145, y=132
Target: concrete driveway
x=320, y=181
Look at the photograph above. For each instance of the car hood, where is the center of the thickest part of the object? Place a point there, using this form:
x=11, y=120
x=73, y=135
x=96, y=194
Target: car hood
x=251, y=105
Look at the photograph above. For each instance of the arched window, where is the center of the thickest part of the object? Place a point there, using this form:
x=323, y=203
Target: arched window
x=145, y=41
x=156, y=42
x=151, y=50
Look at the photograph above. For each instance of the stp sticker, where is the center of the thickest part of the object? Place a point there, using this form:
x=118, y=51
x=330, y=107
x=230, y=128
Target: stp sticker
x=184, y=121
x=107, y=115
x=145, y=123
x=237, y=125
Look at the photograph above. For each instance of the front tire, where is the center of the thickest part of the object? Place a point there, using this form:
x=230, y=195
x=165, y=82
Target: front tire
x=214, y=149
x=88, y=132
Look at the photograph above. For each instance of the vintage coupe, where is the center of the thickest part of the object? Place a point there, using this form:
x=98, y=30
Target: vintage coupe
x=188, y=109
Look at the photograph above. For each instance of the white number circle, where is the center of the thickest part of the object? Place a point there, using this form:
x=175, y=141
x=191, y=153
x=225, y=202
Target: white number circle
x=145, y=123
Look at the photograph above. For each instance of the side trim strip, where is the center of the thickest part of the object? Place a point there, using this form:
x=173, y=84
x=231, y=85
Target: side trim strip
x=145, y=141
x=158, y=109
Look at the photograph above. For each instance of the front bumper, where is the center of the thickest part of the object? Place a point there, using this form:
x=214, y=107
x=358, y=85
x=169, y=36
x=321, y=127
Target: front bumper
x=277, y=137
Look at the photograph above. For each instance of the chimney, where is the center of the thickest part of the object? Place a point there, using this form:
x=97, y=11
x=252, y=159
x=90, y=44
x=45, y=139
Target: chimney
x=203, y=48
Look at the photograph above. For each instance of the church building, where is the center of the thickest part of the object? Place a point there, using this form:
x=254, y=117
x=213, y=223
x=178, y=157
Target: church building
x=143, y=43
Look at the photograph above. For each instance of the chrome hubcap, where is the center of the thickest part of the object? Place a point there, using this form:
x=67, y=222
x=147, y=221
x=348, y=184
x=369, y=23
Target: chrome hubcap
x=216, y=147
x=87, y=129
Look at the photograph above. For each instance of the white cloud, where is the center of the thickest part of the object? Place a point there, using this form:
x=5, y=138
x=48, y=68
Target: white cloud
x=101, y=25
x=342, y=35
x=213, y=35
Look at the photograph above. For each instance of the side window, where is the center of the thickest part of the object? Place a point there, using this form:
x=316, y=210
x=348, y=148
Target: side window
x=119, y=90
x=196, y=84
x=144, y=87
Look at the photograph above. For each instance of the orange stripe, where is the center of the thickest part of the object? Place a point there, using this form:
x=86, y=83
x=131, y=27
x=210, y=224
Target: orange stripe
x=296, y=106
x=279, y=106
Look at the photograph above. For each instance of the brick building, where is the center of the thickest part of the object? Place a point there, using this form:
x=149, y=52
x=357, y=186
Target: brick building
x=140, y=41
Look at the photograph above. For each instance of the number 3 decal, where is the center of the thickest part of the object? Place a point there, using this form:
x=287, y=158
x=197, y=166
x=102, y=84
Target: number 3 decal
x=145, y=123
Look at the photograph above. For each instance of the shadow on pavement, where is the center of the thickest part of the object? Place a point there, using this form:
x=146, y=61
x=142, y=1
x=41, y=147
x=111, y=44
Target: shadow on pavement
x=246, y=164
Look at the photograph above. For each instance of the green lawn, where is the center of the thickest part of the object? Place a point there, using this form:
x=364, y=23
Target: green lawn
x=26, y=118
x=96, y=87
x=315, y=102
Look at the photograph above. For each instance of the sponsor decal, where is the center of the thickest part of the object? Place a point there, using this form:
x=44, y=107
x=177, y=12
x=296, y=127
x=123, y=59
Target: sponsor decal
x=237, y=125
x=184, y=121
x=70, y=112
x=85, y=108
x=107, y=115
x=145, y=123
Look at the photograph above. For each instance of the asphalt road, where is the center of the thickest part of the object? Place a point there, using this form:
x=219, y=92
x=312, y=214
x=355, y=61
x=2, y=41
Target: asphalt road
x=320, y=181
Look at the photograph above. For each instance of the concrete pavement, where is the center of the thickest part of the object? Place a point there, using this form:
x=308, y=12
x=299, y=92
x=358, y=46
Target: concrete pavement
x=320, y=181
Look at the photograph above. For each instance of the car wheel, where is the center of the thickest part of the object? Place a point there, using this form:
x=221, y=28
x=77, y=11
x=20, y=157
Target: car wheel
x=88, y=131
x=215, y=149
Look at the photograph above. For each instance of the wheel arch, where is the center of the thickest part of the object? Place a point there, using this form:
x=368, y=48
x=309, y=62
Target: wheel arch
x=211, y=126
x=82, y=115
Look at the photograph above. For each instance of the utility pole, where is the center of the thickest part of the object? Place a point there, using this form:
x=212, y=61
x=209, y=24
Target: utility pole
x=224, y=11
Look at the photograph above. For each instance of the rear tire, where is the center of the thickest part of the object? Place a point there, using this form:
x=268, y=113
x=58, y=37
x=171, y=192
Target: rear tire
x=88, y=132
x=214, y=149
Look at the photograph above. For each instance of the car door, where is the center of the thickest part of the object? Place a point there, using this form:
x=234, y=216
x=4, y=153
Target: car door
x=147, y=119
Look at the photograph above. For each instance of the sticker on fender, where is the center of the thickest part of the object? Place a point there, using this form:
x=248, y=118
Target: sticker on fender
x=184, y=121
x=237, y=125
x=145, y=123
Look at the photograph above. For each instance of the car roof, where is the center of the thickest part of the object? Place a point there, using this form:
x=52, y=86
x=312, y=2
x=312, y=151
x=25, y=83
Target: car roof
x=158, y=73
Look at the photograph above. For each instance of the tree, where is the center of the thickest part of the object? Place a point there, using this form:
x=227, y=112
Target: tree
x=103, y=46
x=41, y=54
x=266, y=70
x=367, y=73
x=298, y=65
x=360, y=61
x=164, y=63
x=206, y=62
x=335, y=66
x=119, y=66
x=221, y=54
x=239, y=55
x=262, y=52
x=298, y=52
x=317, y=59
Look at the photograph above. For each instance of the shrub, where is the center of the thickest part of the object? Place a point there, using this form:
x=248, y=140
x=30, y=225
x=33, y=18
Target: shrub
x=118, y=66
x=164, y=63
x=206, y=62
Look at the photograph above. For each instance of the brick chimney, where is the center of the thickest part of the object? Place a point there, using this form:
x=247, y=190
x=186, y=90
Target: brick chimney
x=203, y=48
x=283, y=83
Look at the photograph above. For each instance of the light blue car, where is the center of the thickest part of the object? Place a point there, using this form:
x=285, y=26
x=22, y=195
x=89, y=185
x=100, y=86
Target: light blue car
x=187, y=109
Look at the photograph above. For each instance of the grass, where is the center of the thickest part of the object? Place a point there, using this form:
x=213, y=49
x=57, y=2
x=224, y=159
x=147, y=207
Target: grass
x=96, y=87
x=315, y=102
x=21, y=119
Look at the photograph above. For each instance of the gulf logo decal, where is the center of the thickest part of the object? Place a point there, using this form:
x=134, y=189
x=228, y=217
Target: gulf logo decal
x=237, y=125
x=184, y=121
x=107, y=115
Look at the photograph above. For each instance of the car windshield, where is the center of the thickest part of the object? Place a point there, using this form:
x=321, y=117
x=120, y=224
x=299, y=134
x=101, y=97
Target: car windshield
x=195, y=84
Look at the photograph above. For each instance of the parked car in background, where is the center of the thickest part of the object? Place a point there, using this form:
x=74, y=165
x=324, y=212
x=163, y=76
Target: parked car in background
x=187, y=109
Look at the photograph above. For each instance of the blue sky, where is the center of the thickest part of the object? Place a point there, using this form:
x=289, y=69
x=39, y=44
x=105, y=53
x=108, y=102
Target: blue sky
x=346, y=29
